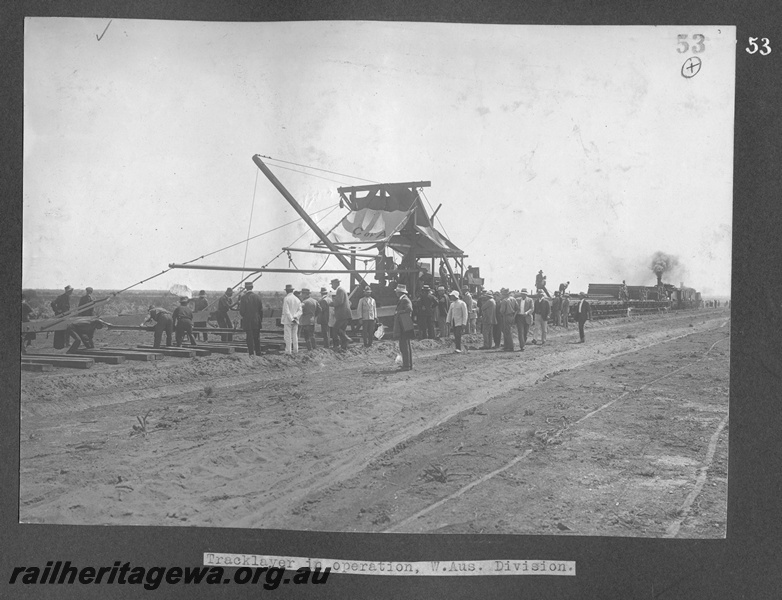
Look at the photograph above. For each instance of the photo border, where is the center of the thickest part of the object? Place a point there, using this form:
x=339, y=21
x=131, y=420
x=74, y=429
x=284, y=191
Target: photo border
x=745, y=564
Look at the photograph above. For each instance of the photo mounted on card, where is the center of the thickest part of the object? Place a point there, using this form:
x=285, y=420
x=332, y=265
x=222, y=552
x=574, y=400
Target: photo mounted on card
x=219, y=217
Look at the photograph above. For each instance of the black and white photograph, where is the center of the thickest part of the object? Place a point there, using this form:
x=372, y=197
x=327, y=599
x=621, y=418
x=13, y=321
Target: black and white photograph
x=377, y=277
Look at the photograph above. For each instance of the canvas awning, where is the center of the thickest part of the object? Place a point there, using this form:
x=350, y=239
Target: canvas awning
x=392, y=215
x=373, y=225
x=405, y=234
x=381, y=211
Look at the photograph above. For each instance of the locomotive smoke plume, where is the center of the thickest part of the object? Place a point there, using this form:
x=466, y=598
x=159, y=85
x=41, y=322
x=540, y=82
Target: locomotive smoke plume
x=663, y=263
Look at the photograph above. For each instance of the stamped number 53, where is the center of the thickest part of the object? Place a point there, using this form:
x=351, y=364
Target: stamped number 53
x=764, y=49
x=698, y=45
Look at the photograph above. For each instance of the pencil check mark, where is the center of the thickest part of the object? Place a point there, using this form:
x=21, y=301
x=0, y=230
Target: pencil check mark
x=104, y=32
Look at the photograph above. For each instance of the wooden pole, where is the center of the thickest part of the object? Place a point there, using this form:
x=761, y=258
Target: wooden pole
x=352, y=272
x=451, y=273
x=302, y=213
x=266, y=270
x=319, y=251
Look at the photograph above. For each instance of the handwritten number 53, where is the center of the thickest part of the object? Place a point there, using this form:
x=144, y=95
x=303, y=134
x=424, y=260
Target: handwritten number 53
x=764, y=50
x=697, y=47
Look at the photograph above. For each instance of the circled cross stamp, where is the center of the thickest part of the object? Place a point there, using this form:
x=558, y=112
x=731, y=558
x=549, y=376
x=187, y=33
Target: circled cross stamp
x=691, y=67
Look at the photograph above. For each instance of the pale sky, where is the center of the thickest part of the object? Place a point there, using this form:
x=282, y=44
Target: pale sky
x=581, y=150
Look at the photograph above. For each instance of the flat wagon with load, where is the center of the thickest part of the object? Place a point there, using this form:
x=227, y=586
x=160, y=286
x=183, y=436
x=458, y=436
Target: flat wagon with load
x=620, y=300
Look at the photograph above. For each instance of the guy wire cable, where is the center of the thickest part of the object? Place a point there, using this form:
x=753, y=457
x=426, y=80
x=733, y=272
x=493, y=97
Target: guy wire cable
x=250, y=223
x=317, y=169
x=309, y=174
x=334, y=206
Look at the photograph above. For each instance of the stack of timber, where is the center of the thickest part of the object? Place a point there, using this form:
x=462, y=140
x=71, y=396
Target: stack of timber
x=73, y=362
x=108, y=359
x=175, y=351
x=128, y=353
x=35, y=366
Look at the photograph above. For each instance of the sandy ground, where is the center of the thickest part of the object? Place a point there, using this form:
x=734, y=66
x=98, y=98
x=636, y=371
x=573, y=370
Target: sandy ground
x=624, y=435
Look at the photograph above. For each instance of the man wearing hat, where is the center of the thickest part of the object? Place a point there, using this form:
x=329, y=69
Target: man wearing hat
x=583, y=313
x=332, y=320
x=442, y=312
x=457, y=317
x=183, y=321
x=367, y=312
x=403, y=326
x=524, y=316
x=27, y=311
x=565, y=309
x=488, y=319
x=200, y=305
x=61, y=305
x=291, y=313
x=342, y=314
x=309, y=313
x=224, y=305
x=472, y=313
x=542, y=312
x=323, y=316
x=86, y=299
x=163, y=323
x=251, y=310
x=496, y=329
x=427, y=305
x=556, y=309
x=540, y=282
x=508, y=310
x=82, y=330
x=443, y=273
x=466, y=297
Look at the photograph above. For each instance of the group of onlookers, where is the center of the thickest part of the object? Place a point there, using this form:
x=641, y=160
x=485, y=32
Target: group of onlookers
x=431, y=312
x=716, y=303
x=494, y=314
x=332, y=312
x=492, y=310
x=503, y=312
x=499, y=314
x=436, y=315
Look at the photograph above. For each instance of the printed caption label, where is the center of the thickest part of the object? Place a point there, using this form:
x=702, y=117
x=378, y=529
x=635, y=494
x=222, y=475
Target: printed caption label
x=397, y=568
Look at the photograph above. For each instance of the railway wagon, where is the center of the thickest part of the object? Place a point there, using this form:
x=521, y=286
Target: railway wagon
x=606, y=299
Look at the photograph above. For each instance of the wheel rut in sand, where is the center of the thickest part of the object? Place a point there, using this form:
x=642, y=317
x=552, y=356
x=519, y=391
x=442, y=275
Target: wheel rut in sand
x=672, y=529
x=643, y=443
x=282, y=441
x=494, y=379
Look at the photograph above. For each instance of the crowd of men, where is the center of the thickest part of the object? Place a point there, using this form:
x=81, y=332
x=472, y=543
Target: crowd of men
x=302, y=314
x=179, y=322
x=301, y=310
x=439, y=314
x=81, y=325
x=434, y=314
x=496, y=314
